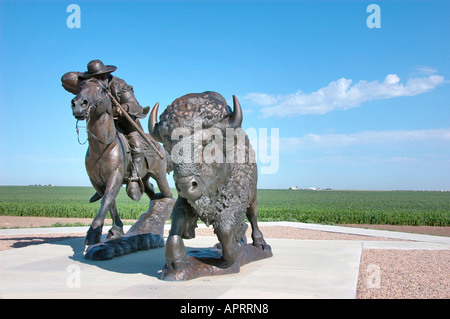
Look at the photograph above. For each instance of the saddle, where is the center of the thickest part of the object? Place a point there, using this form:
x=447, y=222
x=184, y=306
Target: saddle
x=149, y=154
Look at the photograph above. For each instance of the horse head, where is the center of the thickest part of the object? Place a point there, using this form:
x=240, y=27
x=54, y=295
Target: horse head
x=91, y=100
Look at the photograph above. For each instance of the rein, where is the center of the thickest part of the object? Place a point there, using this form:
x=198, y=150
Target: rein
x=87, y=124
x=92, y=135
x=78, y=133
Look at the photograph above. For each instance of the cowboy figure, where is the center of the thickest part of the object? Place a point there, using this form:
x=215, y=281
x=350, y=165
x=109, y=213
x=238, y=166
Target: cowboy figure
x=123, y=93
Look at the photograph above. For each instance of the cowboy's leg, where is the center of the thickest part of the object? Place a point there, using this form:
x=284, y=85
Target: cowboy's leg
x=136, y=152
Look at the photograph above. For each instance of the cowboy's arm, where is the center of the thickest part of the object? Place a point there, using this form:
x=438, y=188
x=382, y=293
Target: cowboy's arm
x=128, y=100
x=70, y=82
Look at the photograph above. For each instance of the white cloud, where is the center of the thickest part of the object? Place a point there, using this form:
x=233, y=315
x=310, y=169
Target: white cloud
x=425, y=70
x=365, y=138
x=261, y=98
x=341, y=95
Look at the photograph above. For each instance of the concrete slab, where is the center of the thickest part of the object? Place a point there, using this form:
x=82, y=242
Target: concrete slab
x=364, y=232
x=298, y=269
x=441, y=240
x=403, y=245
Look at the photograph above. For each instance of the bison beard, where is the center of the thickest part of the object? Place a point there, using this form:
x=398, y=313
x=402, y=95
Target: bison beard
x=225, y=210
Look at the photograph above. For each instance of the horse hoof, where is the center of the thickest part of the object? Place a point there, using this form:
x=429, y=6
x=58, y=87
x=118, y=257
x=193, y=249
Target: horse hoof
x=93, y=236
x=115, y=233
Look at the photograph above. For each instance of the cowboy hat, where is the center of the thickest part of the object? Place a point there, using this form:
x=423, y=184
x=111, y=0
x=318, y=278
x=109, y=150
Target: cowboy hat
x=96, y=67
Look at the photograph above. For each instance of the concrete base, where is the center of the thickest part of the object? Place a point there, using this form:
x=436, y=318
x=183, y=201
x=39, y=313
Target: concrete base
x=298, y=269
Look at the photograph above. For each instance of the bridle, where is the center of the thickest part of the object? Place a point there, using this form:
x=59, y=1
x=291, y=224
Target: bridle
x=78, y=133
x=88, y=113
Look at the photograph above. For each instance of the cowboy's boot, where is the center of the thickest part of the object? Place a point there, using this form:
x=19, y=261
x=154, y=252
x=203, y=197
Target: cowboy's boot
x=135, y=185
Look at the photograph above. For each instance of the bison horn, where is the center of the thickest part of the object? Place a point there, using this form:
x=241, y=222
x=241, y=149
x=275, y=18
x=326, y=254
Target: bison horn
x=152, y=121
x=236, y=118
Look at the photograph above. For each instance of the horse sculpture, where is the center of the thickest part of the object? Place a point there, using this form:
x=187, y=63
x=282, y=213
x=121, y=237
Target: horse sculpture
x=108, y=159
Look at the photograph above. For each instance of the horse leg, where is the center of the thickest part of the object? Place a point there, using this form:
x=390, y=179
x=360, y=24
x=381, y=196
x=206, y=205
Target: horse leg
x=116, y=230
x=163, y=185
x=94, y=233
x=148, y=188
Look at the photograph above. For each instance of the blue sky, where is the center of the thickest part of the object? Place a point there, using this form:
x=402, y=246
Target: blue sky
x=355, y=108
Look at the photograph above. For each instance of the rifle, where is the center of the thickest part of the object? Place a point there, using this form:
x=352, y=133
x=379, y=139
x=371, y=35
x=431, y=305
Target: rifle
x=140, y=131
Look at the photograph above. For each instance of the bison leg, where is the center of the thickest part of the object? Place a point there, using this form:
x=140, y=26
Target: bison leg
x=231, y=249
x=257, y=236
x=175, y=252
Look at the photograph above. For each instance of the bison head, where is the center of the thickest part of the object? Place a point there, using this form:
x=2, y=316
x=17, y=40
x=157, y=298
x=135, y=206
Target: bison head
x=199, y=130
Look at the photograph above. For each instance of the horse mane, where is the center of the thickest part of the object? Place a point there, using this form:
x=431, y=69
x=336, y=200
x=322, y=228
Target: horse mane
x=94, y=80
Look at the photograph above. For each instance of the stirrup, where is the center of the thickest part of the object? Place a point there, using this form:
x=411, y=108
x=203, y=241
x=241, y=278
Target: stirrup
x=138, y=180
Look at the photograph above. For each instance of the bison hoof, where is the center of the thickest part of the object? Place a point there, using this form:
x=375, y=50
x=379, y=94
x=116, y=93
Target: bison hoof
x=260, y=243
x=175, y=253
x=93, y=236
x=175, y=264
x=258, y=240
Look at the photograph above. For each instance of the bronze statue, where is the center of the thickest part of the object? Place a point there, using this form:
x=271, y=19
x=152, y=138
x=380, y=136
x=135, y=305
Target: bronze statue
x=124, y=94
x=221, y=191
x=214, y=168
x=111, y=159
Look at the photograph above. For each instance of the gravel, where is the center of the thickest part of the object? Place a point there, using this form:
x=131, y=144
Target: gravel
x=384, y=273
x=405, y=274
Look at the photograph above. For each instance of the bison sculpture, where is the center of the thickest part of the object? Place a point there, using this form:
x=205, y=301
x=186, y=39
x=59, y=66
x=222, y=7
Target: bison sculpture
x=215, y=174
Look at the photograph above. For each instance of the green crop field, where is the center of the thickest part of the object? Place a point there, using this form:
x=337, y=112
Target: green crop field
x=356, y=207
x=62, y=202
x=324, y=207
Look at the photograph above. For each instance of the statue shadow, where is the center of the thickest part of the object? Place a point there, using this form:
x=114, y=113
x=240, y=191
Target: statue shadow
x=148, y=262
